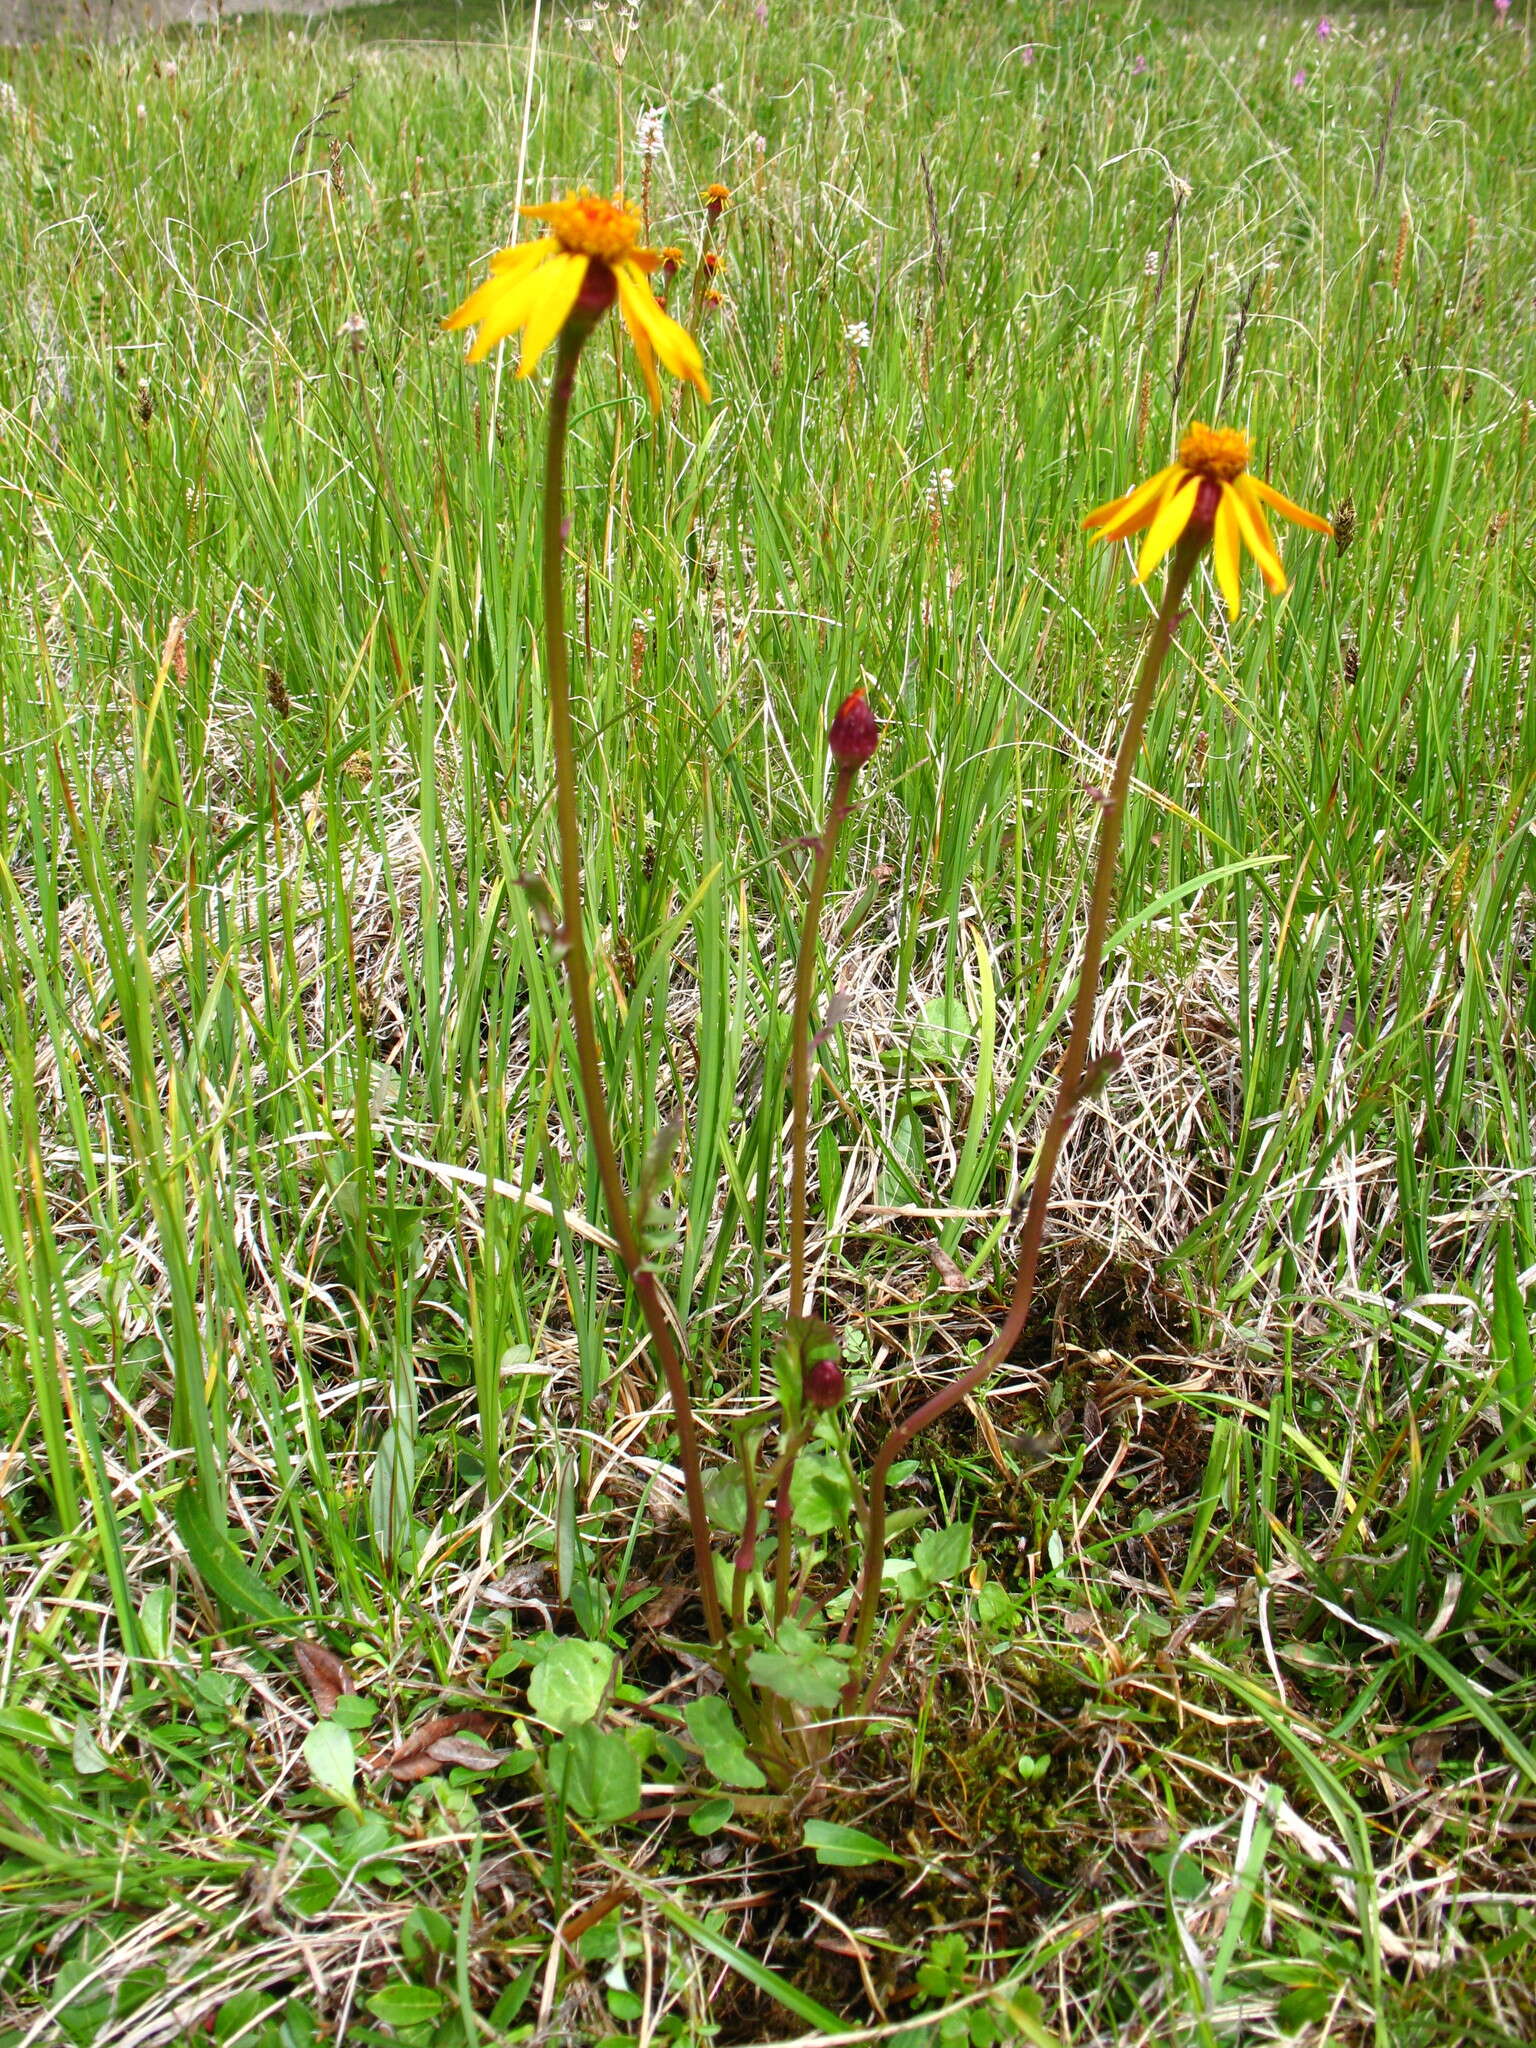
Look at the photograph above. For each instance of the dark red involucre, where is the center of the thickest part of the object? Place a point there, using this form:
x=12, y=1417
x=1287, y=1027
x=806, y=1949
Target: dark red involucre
x=854, y=734
x=824, y=1384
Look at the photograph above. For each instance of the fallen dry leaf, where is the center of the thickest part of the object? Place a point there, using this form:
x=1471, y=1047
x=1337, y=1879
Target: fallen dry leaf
x=839, y=1007
x=1427, y=1752
x=324, y=1673
x=528, y=1585
x=464, y=1749
x=951, y=1277
x=659, y=1611
x=420, y=1754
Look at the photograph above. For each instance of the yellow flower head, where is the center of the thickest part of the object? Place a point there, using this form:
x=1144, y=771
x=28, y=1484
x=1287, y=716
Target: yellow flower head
x=673, y=259
x=1207, y=491
x=716, y=199
x=589, y=257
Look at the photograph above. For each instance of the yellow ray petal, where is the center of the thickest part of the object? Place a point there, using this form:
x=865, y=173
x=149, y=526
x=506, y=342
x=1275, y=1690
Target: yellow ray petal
x=476, y=306
x=675, y=345
x=503, y=314
x=1144, y=499
x=1227, y=554
x=1286, y=508
x=501, y=309
x=509, y=263
x=1172, y=518
x=558, y=285
x=647, y=357
x=503, y=278
x=1122, y=528
x=1255, y=531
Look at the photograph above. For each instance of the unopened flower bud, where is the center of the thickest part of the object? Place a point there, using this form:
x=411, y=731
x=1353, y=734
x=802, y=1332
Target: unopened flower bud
x=825, y=1385
x=854, y=734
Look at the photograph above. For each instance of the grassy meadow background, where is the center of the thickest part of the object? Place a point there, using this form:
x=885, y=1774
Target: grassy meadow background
x=1231, y=1738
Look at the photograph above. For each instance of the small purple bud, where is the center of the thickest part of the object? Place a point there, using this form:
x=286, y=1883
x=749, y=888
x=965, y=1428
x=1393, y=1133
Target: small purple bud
x=825, y=1385
x=854, y=734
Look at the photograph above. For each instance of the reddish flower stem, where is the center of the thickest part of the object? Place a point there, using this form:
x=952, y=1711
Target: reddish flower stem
x=1069, y=1089
x=589, y=1065
x=800, y=1039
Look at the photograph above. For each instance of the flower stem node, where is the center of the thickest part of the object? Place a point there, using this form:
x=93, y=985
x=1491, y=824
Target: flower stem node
x=854, y=733
x=1207, y=495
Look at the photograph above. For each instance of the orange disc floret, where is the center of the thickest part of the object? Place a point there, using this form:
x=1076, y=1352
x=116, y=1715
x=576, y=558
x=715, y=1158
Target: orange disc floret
x=586, y=225
x=1220, y=452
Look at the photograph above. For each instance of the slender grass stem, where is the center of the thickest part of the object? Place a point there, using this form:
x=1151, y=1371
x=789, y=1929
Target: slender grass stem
x=579, y=981
x=1069, y=1091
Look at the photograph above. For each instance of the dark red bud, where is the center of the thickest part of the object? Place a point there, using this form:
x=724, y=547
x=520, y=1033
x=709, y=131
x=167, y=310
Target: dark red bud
x=854, y=734
x=825, y=1385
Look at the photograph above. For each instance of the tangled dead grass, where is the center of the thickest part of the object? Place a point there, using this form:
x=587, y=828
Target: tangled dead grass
x=1147, y=1165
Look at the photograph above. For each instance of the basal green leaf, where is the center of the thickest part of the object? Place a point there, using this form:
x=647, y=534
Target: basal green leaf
x=571, y=1683
x=221, y=1567
x=845, y=1848
x=597, y=1773
x=331, y=1759
x=721, y=1743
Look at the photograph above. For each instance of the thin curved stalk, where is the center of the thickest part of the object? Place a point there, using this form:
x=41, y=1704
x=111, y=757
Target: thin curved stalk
x=653, y=1305
x=1069, y=1092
